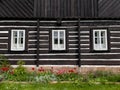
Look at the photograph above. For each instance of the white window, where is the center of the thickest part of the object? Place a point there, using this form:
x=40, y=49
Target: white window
x=18, y=40
x=58, y=40
x=100, y=39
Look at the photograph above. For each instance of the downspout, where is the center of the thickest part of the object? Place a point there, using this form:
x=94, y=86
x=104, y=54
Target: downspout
x=79, y=51
x=38, y=24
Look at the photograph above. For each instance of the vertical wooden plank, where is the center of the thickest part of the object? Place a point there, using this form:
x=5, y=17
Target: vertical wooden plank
x=39, y=9
x=52, y=8
x=96, y=8
x=78, y=7
x=88, y=9
x=61, y=8
x=48, y=8
x=55, y=8
x=85, y=8
x=45, y=7
x=35, y=7
x=26, y=39
x=82, y=8
x=72, y=8
x=68, y=8
x=58, y=4
x=79, y=56
x=42, y=8
x=37, y=61
x=64, y=8
x=92, y=8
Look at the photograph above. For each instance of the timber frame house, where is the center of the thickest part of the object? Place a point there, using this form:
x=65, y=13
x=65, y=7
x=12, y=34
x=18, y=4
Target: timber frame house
x=60, y=32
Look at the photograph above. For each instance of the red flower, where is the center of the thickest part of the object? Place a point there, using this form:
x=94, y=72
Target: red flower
x=33, y=68
x=41, y=69
x=61, y=71
x=71, y=71
x=5, y=69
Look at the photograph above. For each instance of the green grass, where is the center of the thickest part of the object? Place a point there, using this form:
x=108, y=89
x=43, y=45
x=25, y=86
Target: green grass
x=58, y=86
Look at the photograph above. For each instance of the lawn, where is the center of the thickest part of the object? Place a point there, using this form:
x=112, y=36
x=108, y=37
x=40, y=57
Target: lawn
x=57, y=86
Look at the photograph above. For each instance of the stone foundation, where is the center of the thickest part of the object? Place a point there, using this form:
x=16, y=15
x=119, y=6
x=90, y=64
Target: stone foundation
x=87, y=69
x=82, y=69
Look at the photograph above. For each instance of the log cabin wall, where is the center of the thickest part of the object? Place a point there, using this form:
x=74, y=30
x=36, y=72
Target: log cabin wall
x=29, y=55
x=69, y=57
x=49, y=57
x=46, y=56
x=90, y=57
x=56, y=15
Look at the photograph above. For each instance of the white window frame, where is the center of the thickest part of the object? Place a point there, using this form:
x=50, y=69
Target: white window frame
x=17, y=48
x=59, y=48
x=100, y=48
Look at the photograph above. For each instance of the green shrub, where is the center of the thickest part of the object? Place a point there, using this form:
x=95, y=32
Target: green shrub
x=100, y=74
x=68, y=77
x=4, y=61
x=114, y=78
x=20, y=73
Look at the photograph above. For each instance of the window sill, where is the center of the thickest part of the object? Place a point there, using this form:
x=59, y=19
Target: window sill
x=17, y=50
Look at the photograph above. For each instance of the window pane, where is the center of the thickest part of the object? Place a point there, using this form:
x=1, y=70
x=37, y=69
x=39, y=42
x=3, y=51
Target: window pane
x=15, y=34
x=15, y=39
x=97, y=40
x=102, y=40
x=102, y=37
x=61, y=41
x=55, y=41
x=20, y=41
x=15, y=42
x=55, y=34
x=21, y=34
x=61, y=34
x=96, y=33
x=102, y=33
x=61, y=46
x=55, y=37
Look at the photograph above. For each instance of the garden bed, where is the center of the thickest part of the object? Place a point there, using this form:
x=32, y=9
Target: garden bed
x=20, y=77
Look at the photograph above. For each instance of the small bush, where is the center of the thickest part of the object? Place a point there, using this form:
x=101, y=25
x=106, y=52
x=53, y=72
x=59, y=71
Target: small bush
x=4, y=61
x=100, y=74
x=19, y=73
x=114, y=78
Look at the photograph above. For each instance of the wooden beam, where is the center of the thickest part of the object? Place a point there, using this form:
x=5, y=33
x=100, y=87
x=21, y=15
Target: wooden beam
x=79, y=56
x=38, y=24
